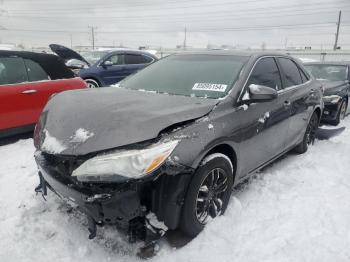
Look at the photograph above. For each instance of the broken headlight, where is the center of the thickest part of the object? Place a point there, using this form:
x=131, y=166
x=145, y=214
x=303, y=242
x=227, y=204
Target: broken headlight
x=121, y=165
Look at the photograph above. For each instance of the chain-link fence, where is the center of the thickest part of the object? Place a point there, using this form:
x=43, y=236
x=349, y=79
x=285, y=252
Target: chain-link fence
x=306, y=56
x=328, y=56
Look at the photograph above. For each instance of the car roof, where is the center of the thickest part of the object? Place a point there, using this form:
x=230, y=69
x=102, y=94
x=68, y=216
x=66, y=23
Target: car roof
x=130, y=51
x=25, y=54
x=52, y=64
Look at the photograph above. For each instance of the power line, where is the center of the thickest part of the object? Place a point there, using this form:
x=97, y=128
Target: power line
x=216, y=18
x=191, y=13
x=220, y=29
x=183, y=5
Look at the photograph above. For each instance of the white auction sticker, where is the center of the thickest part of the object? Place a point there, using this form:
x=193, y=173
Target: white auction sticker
x=209, y=87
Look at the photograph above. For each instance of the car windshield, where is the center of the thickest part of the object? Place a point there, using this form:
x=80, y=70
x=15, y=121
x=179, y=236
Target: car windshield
x=93, y=56
x=328, y=72
x=196, y=75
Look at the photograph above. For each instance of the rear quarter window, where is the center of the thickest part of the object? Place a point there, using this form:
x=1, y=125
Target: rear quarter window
x=35, y=71
x=137, y=59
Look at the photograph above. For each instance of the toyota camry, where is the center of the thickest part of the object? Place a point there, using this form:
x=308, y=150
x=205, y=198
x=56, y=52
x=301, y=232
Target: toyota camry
x=169, y=142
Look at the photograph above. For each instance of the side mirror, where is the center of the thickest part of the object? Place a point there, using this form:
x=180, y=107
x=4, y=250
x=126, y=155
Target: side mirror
x=260, y=93
x=107, y=63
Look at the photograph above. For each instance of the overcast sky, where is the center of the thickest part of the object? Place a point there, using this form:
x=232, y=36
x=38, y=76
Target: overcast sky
x=161, y=23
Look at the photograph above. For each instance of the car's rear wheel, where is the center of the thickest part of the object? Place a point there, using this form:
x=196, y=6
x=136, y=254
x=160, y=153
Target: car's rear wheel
x=208, y=194
x=92, y=83
x=341, y=112
x=309, y=135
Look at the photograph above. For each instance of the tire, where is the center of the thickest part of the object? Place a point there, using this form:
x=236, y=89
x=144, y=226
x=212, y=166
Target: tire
x=309, y=135
x=204, y=201
x=341, y=113
x=92, y=83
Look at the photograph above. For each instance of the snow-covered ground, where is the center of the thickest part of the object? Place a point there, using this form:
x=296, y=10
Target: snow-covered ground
x=296, y=210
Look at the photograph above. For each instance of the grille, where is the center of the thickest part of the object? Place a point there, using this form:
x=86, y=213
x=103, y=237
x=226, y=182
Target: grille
x=63, y=164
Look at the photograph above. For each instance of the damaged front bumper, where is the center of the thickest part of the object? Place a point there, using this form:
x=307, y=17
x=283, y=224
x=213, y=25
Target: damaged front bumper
x=123, y=204
x=118, y=206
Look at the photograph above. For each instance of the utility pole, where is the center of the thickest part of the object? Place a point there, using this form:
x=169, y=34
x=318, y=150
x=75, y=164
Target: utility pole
x=92, y=36
x=185, y=38
x=285, y=43
x=337, y=34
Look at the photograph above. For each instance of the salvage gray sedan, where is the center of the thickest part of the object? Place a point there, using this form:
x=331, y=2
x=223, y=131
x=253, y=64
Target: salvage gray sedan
x=171, y=141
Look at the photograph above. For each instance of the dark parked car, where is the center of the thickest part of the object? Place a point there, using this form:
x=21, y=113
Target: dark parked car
x=27, y=81
x=104, y=68
x=335, y=80
x=175, y=138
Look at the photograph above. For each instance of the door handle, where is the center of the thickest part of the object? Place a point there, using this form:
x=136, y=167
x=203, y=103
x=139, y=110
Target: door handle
x=29, y=91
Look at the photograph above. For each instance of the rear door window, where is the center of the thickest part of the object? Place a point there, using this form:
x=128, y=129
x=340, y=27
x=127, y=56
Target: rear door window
x=132, y=59
x=146, y=59
x=12, y=70
x=35, y=71
x=291, y=72
x=266, y=73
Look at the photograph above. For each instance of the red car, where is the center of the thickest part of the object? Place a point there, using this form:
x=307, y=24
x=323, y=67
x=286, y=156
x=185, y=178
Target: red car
x=27, y=81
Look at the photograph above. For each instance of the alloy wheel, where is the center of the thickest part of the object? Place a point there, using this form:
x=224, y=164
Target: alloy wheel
x=91, y=83
x=311, y=130
x=210, y=197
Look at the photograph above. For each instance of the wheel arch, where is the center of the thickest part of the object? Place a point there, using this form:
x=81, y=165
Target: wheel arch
x=93, y=78
x=318, y=112
x=226, y=150
x=168, y=209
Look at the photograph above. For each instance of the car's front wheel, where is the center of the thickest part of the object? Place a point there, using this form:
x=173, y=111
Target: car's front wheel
x=92, y=83
x=208, y=194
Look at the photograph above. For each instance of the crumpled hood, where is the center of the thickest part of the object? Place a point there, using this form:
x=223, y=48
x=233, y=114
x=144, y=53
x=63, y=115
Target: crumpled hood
x=332, y=87
x=84, y=121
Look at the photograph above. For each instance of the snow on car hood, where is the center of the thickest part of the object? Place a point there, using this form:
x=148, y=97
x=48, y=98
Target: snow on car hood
x=111, y=117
